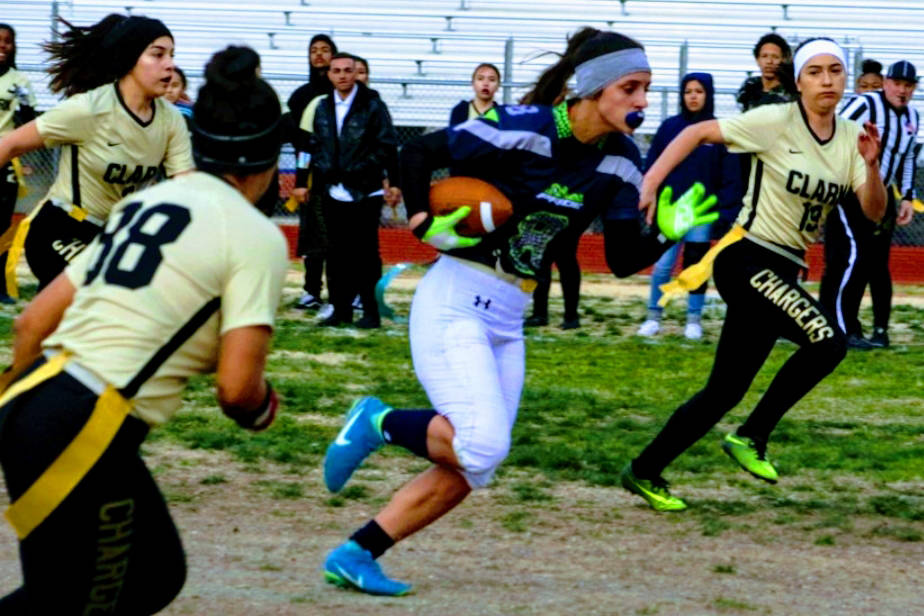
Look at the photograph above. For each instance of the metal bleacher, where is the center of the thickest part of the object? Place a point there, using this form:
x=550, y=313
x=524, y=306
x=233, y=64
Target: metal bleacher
x=422, y=53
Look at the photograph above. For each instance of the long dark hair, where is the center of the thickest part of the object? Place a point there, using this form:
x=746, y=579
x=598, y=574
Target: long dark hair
x=236, y=116
x=551, y=85
x=87, y=57
x=10, y=59
x=583, y=45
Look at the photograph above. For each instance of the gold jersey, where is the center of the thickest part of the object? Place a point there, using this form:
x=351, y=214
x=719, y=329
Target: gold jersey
x=177, y=266
x=108, y=152
x=15, y=90
x=796, y=178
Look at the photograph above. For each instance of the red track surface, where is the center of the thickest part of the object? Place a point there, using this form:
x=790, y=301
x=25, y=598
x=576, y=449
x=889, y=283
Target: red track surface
x=399, y=245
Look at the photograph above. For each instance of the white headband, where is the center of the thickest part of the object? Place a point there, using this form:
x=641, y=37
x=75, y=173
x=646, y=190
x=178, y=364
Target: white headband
x=816, y=48
x=597, y=73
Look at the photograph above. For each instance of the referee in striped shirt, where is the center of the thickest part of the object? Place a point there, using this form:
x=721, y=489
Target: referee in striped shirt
x=856, y=250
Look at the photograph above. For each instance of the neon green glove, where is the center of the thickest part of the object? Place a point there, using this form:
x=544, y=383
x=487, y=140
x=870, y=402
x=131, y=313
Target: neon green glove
x=690, y=210
x=440, y=231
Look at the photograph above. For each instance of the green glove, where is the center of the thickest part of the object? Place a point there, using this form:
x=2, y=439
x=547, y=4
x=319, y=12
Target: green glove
x=441, y=231
x=689, y=211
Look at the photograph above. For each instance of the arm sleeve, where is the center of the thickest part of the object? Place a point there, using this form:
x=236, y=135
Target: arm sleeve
x=629, y=247
x=71, y=121
x=179, y=146
x=756, y=130
x=253, y=283
x=418, y=160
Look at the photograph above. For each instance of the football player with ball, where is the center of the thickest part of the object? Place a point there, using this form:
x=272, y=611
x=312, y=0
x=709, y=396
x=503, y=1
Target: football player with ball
x=560, y=166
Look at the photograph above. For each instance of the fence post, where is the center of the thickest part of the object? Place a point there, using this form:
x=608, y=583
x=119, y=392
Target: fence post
x=54, y=20
x=684, y=58
x=508, y=70
x=663, y=104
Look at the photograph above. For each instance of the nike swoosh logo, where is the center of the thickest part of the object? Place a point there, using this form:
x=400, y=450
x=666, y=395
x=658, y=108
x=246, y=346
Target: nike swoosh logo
x=340, y=437
x=112, y=145
x=792, y=151
x=356, y=582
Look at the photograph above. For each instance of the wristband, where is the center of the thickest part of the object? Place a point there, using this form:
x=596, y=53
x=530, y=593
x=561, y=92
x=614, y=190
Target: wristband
x=261, y=417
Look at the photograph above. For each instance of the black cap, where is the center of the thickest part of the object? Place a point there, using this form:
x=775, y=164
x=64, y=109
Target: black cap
x=903, y=70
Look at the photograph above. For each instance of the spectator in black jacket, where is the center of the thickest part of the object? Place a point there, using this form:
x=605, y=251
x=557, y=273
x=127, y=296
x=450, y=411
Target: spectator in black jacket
x=353, y=144
x=312, y=237
x=485, y=82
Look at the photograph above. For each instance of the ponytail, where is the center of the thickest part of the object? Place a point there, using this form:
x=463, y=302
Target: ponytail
x=551, y=86
x=87, y=57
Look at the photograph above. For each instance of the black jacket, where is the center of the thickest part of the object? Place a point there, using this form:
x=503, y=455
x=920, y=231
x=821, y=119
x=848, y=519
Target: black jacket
x=318, y=84
x=365, y=151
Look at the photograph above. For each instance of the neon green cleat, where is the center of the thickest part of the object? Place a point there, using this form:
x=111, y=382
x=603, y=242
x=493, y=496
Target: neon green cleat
x=654, y=491
x=742, y=450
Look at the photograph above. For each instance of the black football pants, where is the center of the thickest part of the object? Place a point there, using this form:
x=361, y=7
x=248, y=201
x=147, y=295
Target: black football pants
x=111, y=546
x=765, y=302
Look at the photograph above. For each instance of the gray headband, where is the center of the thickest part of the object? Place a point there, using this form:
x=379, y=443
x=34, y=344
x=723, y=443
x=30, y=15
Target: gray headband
x=597, y=73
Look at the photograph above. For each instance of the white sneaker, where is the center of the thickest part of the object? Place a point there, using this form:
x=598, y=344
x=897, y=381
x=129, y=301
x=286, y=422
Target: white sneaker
x=649, y=328
x=326, y=310
x=693, y=331
x=308, y=302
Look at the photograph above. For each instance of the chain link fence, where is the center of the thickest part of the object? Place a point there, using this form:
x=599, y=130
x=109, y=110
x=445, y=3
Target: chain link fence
x=419, y=106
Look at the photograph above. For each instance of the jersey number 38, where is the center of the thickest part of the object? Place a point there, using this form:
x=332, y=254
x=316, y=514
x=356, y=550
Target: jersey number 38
x=132, y=262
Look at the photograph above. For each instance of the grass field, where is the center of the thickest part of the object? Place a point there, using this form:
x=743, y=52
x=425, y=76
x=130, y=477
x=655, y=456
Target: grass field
x=849, y=507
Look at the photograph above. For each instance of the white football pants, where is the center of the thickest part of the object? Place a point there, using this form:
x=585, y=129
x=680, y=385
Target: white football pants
x=466, y=331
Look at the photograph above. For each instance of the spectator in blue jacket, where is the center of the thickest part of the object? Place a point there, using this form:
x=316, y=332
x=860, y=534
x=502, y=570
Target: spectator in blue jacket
x=717, y=170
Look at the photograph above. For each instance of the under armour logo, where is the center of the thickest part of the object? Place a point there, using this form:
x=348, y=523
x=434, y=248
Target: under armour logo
x=479, y=302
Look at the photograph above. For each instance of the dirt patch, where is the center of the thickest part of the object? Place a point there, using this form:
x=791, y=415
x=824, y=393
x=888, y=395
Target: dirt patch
x=255, y=545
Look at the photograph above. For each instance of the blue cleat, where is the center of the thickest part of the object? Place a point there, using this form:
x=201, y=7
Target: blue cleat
x=350, y=566
x=360, y=436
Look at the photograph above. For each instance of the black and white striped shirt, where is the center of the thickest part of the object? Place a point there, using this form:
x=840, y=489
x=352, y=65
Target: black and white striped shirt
x=898, y=131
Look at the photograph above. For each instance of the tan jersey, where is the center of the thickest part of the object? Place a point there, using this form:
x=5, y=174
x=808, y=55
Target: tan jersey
x=15, y=89
x=795, y=178
x=306, y=123
x=178, y=265
x=107, y=152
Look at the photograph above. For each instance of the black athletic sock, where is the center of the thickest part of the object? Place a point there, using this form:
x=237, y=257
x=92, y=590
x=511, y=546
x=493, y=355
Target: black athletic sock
x=372, y=538
x=408, y=428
